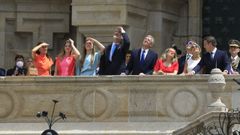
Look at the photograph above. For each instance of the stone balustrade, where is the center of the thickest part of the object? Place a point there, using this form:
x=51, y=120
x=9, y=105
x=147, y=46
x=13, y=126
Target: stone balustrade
x=109, y=104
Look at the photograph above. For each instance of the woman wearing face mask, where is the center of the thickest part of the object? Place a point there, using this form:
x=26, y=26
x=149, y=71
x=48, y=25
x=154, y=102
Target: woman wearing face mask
x=90, y=59
x=18, y=69
x=66, y=60
x=42, y=60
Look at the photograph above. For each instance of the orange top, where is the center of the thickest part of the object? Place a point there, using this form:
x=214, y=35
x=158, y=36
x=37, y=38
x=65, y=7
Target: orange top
x=65, y=66
x=43, y=64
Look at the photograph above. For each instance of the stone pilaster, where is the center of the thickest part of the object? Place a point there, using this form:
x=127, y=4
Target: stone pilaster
x=43, y=18
x=6, y=12
x=99, y=18
x=195, y=20
x=168, y=23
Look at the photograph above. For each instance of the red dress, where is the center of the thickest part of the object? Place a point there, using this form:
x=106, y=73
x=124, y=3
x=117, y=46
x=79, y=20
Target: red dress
x=160, y=66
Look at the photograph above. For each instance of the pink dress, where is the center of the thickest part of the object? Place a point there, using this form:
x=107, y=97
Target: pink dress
x=65, y=66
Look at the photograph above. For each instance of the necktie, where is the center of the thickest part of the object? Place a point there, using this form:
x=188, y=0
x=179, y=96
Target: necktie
x=112, y=51
x=212, y=55
x=142, y=57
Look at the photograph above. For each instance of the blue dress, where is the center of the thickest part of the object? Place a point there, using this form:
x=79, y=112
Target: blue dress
x=89, y=69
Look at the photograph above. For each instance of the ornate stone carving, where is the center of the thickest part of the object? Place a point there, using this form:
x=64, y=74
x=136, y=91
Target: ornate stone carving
x=185, y=102
x=95, y=104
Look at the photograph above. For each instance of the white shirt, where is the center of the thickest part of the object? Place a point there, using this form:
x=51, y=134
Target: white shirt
x=191, y=64
x=213, y=52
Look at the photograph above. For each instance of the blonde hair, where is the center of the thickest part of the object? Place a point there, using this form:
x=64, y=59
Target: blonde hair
x=85, y=54
x=164, y=55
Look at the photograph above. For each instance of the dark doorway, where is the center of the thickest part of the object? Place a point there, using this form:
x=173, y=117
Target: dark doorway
x=221, y=18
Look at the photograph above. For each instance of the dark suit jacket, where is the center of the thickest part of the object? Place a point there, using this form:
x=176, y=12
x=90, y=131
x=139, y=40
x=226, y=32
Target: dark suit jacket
x=181, y=62
x=21, y=71
x=135, y=67
x=112, y=67
x=220, y=61
x=2, y=72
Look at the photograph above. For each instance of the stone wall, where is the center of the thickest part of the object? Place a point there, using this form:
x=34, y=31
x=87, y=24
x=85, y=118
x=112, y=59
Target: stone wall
x=127, y=104
x=25, y=22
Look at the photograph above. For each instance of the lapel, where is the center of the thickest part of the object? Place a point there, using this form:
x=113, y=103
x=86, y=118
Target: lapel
x=108, y=51
x=148, y=57
x=216, y=55
x=208, y=59
x=116, y=49
x=138, y=55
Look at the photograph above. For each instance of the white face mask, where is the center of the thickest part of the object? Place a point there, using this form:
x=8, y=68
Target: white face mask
x=19, y=64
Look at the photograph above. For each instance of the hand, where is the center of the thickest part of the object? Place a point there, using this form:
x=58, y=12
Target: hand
x=72, y=42
x=91, y=39
x=225, y=72
x=160, y=72
x=235, y=73
x=15, y=72
x=122, y=30
x=190, y=73
x=44, y=44
x=141, y=74
x=123, y=74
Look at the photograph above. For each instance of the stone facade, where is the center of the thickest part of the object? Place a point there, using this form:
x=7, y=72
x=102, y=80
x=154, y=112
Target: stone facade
x=25, y=22
x=109, y=104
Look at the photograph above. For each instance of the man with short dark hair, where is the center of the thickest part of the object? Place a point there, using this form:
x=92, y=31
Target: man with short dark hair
x=18, y=69
x=114, y=53
x=212, y=58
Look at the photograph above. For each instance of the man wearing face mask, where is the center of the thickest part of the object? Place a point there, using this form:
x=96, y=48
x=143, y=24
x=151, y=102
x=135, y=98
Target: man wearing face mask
x=114, y=54
x=18, y=69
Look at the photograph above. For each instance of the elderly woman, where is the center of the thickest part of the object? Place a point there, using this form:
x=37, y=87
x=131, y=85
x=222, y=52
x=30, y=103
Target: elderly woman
x=66, y=60
x=167, y=64
x=194, y=60
x=42, y=61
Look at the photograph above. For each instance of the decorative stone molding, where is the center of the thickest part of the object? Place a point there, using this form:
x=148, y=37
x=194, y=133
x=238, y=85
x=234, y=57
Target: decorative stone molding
x=44, y=20
x=121, y=103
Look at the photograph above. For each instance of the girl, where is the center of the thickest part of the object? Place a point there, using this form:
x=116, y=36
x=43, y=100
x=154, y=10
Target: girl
x=66, y=60
x=90, y=60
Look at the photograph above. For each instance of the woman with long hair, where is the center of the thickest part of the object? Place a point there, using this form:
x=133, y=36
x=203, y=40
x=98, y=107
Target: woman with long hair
x=66, y=60
x=31, y=70
x=167, y=64
x=42, y=61
x=90, y=59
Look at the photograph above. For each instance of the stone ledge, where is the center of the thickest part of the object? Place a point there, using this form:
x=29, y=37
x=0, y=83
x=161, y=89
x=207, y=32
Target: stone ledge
x=101, y=128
